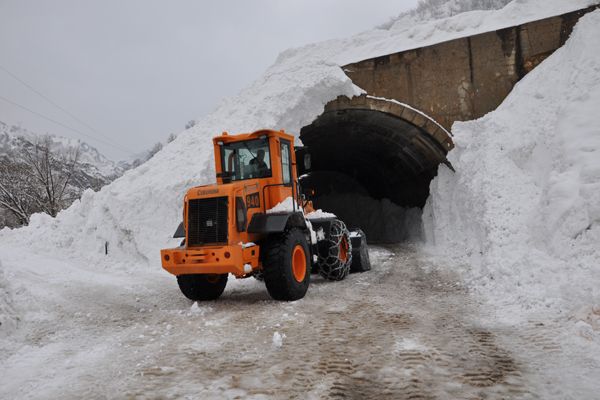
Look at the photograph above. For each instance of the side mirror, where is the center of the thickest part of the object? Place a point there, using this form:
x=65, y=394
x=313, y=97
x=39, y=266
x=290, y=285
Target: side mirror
x=307, y=161
x=240, y=214
x=303, y=161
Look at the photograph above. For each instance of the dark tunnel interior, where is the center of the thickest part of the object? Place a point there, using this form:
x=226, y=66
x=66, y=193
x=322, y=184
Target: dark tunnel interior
x=372, y=169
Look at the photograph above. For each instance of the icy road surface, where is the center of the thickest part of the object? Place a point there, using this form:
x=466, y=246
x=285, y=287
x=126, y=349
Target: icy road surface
x=403, y=330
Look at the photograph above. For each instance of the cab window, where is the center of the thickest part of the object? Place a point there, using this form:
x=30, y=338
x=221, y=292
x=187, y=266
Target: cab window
x=248, y=159
x=286, y=162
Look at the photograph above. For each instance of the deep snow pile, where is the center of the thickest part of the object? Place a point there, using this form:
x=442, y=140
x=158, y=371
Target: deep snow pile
x=136, y=215
x=523, y=208
x=7, y=312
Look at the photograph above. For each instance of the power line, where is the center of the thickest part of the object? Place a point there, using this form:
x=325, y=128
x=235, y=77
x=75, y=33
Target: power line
x=65, y=126
x=49, y=100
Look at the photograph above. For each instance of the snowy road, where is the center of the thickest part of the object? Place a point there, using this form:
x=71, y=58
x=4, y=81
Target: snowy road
x=403, y=330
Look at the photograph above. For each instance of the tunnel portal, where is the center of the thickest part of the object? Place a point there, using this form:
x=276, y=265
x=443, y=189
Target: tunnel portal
x=372, y=162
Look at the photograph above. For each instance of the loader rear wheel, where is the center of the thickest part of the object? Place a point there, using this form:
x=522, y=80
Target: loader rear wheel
x=286, y=265
x=201, y=287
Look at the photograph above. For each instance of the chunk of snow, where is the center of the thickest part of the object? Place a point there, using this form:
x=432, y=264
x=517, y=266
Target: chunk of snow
x=286, y=205
x=195, y=309
x=585, y=330
x=320, y=214
x=407, y=344
x=320, y=234
x=278, y=339
x=313, y=235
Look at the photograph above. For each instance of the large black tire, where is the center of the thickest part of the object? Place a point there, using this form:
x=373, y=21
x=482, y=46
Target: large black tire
x=201, y=287
x=286, y=265
x=335, y=252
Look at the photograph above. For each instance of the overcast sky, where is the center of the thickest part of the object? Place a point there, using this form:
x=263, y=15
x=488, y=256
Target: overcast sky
x=135, y=71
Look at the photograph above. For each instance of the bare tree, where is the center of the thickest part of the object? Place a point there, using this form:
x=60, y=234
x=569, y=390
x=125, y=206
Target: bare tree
x=15, y=190
x=155, y=149
x=52, y=174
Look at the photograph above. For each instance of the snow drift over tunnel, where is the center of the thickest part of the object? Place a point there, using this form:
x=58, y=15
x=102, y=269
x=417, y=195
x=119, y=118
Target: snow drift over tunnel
x=137, y=214
x=521, y=214
x=372, y=162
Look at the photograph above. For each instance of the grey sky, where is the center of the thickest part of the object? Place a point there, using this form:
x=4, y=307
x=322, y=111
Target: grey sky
x=136, y=71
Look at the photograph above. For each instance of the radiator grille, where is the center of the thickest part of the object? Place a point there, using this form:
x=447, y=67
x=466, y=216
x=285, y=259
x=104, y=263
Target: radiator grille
x=207, y=221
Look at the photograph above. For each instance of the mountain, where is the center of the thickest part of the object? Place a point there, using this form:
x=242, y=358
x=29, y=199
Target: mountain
x=14, y=138
x=92, y=171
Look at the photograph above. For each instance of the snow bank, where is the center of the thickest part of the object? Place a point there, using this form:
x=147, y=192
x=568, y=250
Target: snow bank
x=405, y=34
x=132, y=218
x=136, y=215
x=523, y=208
x=8, y=316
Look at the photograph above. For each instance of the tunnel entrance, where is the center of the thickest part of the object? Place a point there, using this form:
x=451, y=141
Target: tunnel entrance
x=372, y=162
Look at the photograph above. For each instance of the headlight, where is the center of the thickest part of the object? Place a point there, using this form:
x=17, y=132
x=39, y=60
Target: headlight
x=240, y=214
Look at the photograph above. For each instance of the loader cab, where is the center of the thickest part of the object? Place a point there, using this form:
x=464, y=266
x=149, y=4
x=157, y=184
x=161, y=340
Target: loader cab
x=267, y=155
x=247, y=159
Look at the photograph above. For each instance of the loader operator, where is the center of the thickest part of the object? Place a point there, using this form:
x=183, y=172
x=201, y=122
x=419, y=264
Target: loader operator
x=259, y=166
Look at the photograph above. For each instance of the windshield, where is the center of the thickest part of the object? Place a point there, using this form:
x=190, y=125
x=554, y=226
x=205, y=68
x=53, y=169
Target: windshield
x=246, y=160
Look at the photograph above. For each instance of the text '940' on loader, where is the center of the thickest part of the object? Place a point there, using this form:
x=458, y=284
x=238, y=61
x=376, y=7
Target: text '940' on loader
x=257, y=221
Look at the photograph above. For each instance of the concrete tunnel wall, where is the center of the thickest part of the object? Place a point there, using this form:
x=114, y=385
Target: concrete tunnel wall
x=373, y=159
x=464, y=79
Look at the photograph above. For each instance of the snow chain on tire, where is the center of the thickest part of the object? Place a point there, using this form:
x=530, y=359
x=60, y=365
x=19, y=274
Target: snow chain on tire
x=330, y=265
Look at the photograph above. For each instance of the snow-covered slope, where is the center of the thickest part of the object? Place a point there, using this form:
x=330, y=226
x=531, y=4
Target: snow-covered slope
x=522, y=211
x=428, y=10
x=7, y=313
x=137, y=213
x=520, y=219
x=409, y=34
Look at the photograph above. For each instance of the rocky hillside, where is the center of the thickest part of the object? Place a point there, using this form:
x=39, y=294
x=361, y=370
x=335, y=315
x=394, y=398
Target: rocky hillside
x=14, y=138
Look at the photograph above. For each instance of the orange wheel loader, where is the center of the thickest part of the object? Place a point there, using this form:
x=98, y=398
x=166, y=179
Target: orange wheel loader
x=256, y=221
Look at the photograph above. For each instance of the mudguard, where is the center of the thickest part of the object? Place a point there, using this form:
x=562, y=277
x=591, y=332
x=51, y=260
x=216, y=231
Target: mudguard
x=275, y=222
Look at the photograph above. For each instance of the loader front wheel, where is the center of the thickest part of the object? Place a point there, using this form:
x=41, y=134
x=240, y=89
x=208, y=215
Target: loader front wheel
x=286, y=265
x=201, y=287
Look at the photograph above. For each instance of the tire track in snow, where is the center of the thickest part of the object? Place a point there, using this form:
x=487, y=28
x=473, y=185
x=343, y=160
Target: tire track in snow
x=403, y=330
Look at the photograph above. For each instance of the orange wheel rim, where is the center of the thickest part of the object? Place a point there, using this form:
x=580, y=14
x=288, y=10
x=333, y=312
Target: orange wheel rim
x=344, y=249
x=299, y=263
x=212, y=278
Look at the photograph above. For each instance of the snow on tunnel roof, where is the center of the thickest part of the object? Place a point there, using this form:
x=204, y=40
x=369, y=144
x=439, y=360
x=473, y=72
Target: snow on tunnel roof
x=399, y=37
